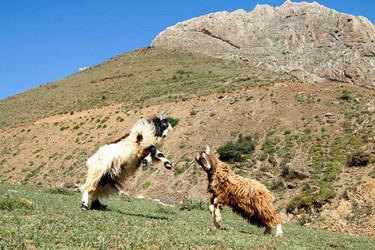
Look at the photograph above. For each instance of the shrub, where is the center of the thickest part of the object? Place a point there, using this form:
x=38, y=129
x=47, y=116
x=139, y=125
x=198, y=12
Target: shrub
x=104, y=120
x=278, y=184
x=249, y=98
x=173, y=121
x=346, y=95
x=10, y=203
x=146, y=185
x=304, y=220
x=234, y=152
x=120, y=119
x=358, y=159
x=372, y=173
x=188, y=204
x=310, y=200
x=286, y=172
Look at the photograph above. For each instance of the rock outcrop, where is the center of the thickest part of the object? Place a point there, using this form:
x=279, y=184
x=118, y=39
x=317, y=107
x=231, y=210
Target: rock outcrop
x=307, y=40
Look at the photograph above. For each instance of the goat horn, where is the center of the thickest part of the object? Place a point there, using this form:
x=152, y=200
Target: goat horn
x=208, y=150
x=163, y=114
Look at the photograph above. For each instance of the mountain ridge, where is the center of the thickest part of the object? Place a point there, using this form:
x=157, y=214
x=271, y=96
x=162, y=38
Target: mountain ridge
x=307, y=40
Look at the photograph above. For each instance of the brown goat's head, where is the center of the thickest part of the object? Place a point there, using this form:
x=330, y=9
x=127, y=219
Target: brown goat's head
x=206, y=160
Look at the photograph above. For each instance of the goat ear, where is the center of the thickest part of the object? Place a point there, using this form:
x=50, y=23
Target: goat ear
x=163, y=114
x=206, y=163
x=208, y=150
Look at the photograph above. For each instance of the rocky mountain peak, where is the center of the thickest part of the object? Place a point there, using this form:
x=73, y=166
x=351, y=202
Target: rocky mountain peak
x=307, y=40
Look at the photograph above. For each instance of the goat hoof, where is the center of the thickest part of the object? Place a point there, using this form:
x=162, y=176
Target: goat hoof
x=144, y=163
x=168, y=165
x=279, y=234
x=84, y=207
x=218, y=226
x=268, y=231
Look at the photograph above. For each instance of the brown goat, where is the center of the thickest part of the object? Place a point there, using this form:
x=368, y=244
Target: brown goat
x=248, y=198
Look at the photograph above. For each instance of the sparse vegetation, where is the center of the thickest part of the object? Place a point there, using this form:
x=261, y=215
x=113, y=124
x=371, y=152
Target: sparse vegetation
x=269, y=145
x=185, y=164
x=34, y=172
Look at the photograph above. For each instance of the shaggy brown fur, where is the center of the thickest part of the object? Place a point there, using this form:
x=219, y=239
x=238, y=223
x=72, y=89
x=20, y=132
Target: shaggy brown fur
x=248, y=198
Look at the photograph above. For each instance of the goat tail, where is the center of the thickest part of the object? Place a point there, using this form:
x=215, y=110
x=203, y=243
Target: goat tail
x=105, y=161
x=92, y=181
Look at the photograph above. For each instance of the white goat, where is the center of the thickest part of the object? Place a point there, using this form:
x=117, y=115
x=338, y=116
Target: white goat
x=113, y=163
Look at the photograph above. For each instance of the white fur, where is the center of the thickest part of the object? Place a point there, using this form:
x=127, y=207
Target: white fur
x=279, y=231
x=119, y=160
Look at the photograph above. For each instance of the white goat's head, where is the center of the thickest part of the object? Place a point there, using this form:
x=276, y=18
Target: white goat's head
x=161, y=124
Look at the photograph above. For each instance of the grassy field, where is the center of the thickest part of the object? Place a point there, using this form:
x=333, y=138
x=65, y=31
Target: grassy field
x=41, y=218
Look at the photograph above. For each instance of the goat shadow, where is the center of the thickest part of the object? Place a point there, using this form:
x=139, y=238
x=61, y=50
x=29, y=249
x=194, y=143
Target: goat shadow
x=229, y=228
x=152, y=217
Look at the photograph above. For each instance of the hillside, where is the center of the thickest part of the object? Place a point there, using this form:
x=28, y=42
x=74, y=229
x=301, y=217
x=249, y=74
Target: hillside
x=311, y=127
x=136, y=79
x=314, y=141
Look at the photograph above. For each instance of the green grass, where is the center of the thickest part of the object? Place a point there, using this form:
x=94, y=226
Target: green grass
x=51, y=219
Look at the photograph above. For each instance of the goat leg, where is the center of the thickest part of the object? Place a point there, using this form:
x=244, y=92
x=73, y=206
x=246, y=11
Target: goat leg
x=158, y=155
x=216, y=213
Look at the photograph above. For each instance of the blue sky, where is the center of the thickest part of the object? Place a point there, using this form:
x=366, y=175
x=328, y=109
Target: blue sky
x=46, y=40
